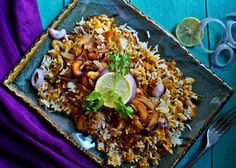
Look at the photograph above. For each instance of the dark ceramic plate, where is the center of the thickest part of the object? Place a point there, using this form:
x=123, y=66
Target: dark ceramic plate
x=214, y=92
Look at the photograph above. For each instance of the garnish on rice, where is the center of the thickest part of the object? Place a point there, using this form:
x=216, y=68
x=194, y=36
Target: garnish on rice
x=113, y=89
x=94, y=102
x=121, y=92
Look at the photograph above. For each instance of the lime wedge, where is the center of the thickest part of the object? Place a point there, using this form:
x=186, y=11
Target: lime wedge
x=186, y=31
x=105, y=86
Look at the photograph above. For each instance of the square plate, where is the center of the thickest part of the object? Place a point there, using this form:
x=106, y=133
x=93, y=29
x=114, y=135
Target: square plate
x=213, y=91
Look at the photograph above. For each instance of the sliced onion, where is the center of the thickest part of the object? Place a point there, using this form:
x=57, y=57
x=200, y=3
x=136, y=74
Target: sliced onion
x=68, y=55
x=91, y=44
x=204, y=22
x=163, y=122
x=233, y=14
x=156, y=89
x=147, y=102
x=105, y=50
x=85, y=39
x=231, y=45
x=99, y=65
x=230, y=40
x=104, y=72
x=37, y=78
x=133, y=86
x=163, y=125
x=57, y=34
x=216, y=54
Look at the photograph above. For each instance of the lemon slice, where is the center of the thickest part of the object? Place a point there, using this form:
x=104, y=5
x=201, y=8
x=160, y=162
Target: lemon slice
x=186, y=31
x=105, y=86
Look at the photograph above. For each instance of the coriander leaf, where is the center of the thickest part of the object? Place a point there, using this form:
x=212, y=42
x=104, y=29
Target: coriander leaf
x=93, y=102
x=119, y=63
x=93, y=96
x=122, y=108
x=125, y=63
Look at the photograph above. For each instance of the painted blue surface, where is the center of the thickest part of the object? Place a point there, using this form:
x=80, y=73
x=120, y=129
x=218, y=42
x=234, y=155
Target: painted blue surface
x=168, y=14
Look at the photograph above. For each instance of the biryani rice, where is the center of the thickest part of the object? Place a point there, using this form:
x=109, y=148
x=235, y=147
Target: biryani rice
x=122, y=139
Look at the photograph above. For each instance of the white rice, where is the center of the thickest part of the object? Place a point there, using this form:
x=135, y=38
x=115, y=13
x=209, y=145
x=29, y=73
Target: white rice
x=148, y=34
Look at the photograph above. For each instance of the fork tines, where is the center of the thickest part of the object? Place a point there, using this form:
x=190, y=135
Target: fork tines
x=225, y=121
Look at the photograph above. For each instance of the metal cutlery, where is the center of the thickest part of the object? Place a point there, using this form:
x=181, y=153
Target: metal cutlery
x=215, y=131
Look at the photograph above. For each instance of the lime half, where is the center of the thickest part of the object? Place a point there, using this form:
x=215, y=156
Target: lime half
x=105, y=86
x=186, y=31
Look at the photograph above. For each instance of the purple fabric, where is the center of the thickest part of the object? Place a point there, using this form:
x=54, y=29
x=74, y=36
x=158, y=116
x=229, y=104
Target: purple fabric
x=26, y=140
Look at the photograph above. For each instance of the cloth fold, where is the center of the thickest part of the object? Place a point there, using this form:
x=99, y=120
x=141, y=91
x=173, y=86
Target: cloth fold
x=26, y=140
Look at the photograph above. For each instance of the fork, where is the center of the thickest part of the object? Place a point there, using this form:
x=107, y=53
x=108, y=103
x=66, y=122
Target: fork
x=215, y=131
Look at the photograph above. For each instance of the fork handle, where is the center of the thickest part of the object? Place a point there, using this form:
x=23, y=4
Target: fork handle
x=191, y=163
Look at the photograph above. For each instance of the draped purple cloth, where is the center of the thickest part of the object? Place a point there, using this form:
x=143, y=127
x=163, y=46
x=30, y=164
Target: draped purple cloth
x=25, y=140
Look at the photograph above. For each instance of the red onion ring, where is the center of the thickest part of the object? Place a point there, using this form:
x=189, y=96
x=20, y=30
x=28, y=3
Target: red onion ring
x=231, y=45
x=216, y=54
x=158, y=90
x=230, y=41
x=99, y=65
x=57, y=34
x=37, y=78
x=163, y=122
x=233, y=14
x=204, y=22
x=164, y=125
x=104, y=72
x=133, y=86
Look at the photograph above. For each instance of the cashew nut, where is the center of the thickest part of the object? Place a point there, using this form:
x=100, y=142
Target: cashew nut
x=76, y=68
x=93, y=75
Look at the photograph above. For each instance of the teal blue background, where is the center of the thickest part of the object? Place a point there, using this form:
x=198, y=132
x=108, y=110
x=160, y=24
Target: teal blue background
x=168, y=13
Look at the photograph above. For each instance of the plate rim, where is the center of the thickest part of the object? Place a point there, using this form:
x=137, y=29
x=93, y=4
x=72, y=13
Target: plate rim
x=30, y=53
